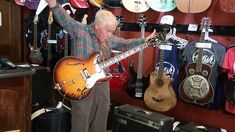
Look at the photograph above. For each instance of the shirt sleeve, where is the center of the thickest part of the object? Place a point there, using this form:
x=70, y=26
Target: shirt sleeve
x=65, y=20
x=123, y=44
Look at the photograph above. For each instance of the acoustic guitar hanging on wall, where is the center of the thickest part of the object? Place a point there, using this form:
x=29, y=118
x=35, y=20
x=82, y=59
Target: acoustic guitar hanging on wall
x=193, y=6
x=227, y=6
x=162, y=5
x=135, y=6
x=160, y=95
x=196, y=87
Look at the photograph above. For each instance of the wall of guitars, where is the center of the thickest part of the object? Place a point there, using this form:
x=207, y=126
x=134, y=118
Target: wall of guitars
x=191, y=65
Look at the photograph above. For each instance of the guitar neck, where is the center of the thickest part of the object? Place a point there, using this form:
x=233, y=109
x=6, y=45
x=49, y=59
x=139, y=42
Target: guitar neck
x=161, y=64
x=48, y=43
x=200, y=54
x=141, y=53
x=123, y=55
x=49, y=56
x=66, y=37
x=35, y=37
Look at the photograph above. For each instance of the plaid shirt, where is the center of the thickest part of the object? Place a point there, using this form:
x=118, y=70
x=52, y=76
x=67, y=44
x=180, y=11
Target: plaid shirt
x=84, y=41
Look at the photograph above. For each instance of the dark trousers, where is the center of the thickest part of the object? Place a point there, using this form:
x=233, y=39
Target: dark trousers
x=90, y=114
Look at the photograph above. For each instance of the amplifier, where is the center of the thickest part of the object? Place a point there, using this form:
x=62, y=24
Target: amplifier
x=131, y=118
x=58, y=120
x=41, y=87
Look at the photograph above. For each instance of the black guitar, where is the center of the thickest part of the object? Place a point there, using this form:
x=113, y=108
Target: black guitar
x=35, y=55
x=140, y=82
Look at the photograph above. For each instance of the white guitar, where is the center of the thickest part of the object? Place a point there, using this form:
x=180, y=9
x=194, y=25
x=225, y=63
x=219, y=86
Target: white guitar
x=136, y=6
x=162, y=5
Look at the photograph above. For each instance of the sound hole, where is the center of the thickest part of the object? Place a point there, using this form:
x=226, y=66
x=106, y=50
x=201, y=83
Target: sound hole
x=159, y=82
x=204, y=73
x=191, y=71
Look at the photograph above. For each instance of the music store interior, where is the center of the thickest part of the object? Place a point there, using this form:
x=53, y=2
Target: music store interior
x=182, y=80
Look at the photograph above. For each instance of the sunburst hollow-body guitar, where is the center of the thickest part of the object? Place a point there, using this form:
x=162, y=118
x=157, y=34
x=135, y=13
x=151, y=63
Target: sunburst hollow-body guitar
x=74, y=78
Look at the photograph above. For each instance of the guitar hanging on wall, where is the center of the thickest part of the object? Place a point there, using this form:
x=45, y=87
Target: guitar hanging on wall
x=74, y=78
x=79, y=3
x=120, y=76
x=48, y=46
x=196, y=87
x=135, y=6
x=35, y=55
x=193, y=6
x=227, y=6
x=162, y=5
x=97, y=3
x=160, y=95
x=140, y=82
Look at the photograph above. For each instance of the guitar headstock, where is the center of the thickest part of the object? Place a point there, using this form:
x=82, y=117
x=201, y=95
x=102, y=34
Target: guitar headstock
x=142, y=20
x=50, y=18
x=205, y=23
x=84, y=19
x=120, y=21
x=155, y=40
x=35, y=20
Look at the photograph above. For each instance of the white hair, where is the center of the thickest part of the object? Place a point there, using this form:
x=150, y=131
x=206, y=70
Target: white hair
x=105, y=18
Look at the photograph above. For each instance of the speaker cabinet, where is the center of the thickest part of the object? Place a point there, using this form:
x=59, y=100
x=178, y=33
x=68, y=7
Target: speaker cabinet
x=41, y=87
x=128, y=118
x=58, y=120
x=111, y=115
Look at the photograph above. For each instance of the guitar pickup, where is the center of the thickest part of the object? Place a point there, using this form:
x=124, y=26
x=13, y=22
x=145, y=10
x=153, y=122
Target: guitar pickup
x=86, y=73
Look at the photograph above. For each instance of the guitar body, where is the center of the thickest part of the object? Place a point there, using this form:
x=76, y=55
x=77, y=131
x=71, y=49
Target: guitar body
x=97, y=3
x=135, y=6
x=227, y=6
x=79, y=3
x=196, y=88
x=162, y=5
x=119, y=78
x=20, y=2
x=139, y=85
x=160, y=97
x=193, y=6
x=35, y=56
x=75, y=78
x=113, y=3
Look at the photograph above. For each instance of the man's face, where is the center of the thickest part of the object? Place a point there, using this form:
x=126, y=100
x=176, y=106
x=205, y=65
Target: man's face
x=104, y=32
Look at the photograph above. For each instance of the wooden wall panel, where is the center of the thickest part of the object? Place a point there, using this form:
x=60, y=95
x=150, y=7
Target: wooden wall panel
x=10, y=31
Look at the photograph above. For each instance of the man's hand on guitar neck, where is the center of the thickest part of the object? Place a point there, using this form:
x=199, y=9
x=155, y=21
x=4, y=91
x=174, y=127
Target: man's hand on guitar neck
x=151, y=35
x=51, y=3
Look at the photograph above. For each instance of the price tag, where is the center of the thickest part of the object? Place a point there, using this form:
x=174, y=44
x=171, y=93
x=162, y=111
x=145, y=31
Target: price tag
x=167, y=19
x=52, y=41
x=203, y=45
x=165, y=47
x=192, y=27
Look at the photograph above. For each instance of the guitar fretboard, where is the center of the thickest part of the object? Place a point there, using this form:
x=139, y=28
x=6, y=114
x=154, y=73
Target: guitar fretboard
x=122, y=56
